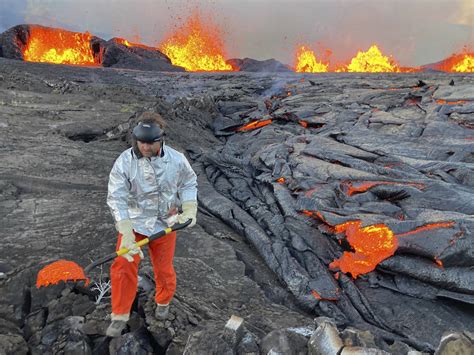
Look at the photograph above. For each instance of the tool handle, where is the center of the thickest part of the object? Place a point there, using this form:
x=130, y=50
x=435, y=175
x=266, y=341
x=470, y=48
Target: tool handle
x=140, y=243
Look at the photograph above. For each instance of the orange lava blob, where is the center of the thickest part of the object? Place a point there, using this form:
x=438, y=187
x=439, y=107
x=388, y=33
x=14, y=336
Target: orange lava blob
x=303, y=123
x=61, y=270
x=51, y=45
x=281, y=180
x=196, y=46
x=306, y=61
x=372, y=244
x=254, y=125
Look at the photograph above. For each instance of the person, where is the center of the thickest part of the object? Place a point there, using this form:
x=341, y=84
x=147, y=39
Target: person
x=147, y=185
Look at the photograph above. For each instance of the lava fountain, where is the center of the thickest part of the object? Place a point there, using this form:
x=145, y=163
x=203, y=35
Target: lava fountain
x=306, y=62
x=196, y=46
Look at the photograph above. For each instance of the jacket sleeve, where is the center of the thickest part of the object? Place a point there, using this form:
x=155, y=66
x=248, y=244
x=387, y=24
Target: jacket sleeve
x=118, y=190
x=187, y=183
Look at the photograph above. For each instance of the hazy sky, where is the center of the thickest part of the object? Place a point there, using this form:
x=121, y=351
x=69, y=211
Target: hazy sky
x=413, y=31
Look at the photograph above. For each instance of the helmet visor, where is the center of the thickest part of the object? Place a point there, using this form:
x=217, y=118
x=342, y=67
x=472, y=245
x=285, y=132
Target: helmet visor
x=147, y=132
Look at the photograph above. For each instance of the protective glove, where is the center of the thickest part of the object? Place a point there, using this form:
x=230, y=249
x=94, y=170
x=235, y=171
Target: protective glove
x=189, y=212
x=128, y=239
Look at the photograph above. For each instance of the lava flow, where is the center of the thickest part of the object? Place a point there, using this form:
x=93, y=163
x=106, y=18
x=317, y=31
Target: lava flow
x=58, y=46
x=196, y=46
x=61, y=270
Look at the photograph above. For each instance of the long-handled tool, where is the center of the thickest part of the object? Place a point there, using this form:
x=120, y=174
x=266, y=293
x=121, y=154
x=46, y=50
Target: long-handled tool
x=64, y=270
x=141, y=243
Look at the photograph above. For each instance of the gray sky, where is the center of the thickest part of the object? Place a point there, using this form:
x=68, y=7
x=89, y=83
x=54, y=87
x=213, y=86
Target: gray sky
x=414, y=32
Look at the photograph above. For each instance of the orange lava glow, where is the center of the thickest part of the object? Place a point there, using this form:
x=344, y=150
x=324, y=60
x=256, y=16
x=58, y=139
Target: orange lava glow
x=57, y=46
x=131, y=44
x=254, y=125
x=196, y=46
x=444, y=102
x=371, y=61
x=372, y=244
x=61, y=270
x=466, y=65
x=281, y=180
x=306, y=62
x=352, y=188
x=319, y=297
x=427, y=227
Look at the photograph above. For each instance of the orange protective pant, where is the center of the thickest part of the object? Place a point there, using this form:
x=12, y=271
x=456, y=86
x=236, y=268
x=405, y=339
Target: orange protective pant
x=124, y=274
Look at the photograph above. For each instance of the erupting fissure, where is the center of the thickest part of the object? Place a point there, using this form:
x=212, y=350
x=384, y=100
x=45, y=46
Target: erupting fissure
x=58, y=46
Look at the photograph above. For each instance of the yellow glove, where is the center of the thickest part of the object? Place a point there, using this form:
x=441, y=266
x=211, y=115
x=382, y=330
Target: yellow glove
x=128, y=239
x=189, y=212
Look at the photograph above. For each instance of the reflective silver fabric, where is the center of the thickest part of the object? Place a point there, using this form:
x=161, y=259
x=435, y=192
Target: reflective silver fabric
x=149, y=190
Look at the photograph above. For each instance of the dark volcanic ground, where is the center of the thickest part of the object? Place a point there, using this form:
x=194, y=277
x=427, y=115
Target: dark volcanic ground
x=62, y=127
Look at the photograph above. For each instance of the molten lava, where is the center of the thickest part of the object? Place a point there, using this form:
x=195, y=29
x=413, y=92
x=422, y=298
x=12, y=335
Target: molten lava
x=466, y=65
x=372, y=61
x=306, y=62
x=196, y=46
x=372, y=244
x=352, y=188
x=319, y=297
x=131, y=44
x=61, y=270
x=444, y=102
x=57, y=46
x=254, y=125
x=427, y=227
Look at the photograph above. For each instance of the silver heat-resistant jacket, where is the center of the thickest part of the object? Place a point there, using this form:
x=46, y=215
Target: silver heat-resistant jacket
x=149, y=190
